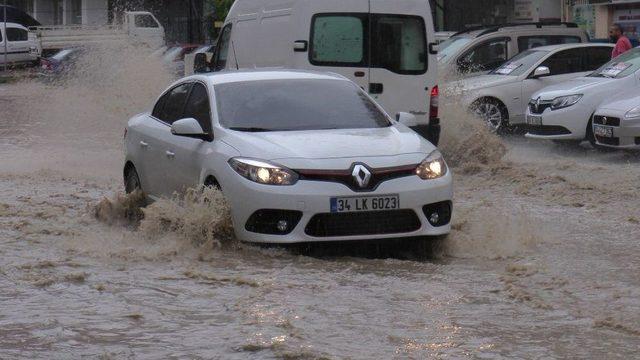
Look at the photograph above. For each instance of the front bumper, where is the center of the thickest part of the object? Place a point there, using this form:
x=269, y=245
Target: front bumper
x=311, y=198
x=625, y=136
x=563, y=124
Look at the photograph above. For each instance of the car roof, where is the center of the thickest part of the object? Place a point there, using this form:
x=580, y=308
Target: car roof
x=477, y=31
x=570, y=46
x=224, y=77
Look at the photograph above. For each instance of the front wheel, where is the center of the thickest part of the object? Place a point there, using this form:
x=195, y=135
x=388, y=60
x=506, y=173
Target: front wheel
x=493, y=113
x=131, y=180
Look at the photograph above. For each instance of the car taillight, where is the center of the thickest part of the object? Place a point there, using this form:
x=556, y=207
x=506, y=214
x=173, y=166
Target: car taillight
x=433, y=108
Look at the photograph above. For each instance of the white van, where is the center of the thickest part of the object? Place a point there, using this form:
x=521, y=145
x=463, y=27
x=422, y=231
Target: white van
x=21, y=45
x=385, y=46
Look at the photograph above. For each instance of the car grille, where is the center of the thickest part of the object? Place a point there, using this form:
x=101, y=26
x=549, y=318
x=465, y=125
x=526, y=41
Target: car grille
x=608, y=140
x=547, y=130
x=606, y=120
x=535, y=108
x=345, y=177
x=363, y=223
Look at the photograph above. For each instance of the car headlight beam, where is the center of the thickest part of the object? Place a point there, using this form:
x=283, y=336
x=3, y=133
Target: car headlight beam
x=263, y=172
x=565, y=101
x=432, y=167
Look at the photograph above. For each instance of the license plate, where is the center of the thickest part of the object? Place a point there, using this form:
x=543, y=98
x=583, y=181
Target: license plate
x=364, y=203
x=603, y=131
x=534, y=120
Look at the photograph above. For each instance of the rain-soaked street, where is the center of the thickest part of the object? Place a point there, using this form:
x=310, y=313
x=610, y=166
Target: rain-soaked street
x=543, y=260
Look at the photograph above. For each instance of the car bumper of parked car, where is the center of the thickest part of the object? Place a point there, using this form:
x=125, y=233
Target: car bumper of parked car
x=304, y=212
x=618, y=132
x=563, y=124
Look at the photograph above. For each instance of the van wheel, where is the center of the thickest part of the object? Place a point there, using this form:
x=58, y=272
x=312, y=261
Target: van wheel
x=131, y=180
x=493, y=113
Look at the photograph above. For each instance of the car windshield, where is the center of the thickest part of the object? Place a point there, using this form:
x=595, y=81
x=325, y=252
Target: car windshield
x=520, y=63
x=623, y=65
x=62, y=54
x=296, y=104
x=451, y=46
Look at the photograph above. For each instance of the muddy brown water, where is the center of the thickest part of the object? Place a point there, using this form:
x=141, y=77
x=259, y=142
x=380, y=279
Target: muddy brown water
x=543, y=261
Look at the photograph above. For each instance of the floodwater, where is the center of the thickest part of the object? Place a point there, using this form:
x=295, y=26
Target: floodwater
x=543, y=261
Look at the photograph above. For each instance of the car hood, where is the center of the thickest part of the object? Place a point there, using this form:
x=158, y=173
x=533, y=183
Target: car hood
x=623, y=103
x=478, y=82
x=329, y=144
x=574, y=86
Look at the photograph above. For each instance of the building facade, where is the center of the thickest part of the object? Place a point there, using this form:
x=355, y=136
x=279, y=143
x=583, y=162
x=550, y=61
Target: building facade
x=596, y=16
x=65, y=12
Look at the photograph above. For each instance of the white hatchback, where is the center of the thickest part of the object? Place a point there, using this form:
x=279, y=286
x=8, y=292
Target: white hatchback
x=300, y=157
x=564, y=112
x=616, y=123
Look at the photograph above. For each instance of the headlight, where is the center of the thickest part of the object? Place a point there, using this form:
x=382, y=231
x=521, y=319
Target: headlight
x=432, y=167
x=633, y=113
x=565, y=101
x=263, y=172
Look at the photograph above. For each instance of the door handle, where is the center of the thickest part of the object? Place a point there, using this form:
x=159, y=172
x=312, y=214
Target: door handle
x=143, y=144
x=359, y=74
x=170, y=154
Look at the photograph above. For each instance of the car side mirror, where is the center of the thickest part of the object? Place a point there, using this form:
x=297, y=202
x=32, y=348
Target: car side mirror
x=407, y=119
x=200, y=63
x=189, y=127
x=541, y=71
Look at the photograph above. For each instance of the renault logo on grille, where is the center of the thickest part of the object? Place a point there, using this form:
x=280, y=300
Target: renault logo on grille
x=604, y=120
x=361, y=175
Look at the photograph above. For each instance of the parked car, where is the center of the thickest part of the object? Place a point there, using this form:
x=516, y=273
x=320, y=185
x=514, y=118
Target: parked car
x=293, y=166
x=203, y=67
x=502, y=96
x=616, y=123
x=442, y=36
x=564, y=111
x=482, y=49
x=336, y=36
x=61, y=62
x=21, y=45
x=174, y=57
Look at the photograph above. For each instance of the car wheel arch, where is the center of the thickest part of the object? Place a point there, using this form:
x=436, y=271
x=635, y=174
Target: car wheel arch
x=487, y=98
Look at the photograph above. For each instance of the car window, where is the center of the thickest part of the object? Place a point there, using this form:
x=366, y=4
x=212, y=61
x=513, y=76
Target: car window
x=530, y=42
x=566, y=62
x=401, y=44
x=338, y=40
x=520, y=63
x=145, y=21
x=624, y=65
x=485, y=56
x=451, y=46
x=597, y=56
x=174, y=103
x=285, y=105
x=222, y=51
x=198, y=107
x=14, y=34
x=157, y=109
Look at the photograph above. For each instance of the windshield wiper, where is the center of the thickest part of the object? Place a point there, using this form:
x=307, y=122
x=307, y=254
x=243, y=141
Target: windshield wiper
x=249, y=129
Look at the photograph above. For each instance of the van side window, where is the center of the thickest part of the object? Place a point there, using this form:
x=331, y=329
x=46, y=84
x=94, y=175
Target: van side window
x=530, y=42
x=145, y=21
x=400, y=43
x=14, y=34
x=338, y=40
x=485, y=56
x=222, y=50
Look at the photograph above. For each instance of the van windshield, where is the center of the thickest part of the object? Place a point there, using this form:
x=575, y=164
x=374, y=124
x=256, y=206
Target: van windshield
x=296, y=104
x=396, y=43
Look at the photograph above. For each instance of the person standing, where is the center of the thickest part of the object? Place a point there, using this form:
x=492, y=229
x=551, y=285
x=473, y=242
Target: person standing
x=622, y=42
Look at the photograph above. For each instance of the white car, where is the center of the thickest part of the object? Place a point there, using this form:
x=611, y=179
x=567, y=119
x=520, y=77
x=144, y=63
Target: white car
x=563, y=112
x=501, y=97
x=616, y=123
x=22, y=45
x=300, y=157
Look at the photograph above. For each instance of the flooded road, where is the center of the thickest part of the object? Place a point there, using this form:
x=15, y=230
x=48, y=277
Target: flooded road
x=543, y=261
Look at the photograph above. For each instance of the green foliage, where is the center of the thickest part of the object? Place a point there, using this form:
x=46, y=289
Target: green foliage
x=222, y=8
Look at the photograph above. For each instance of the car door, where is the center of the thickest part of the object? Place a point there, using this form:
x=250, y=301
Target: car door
x=188, y=152
x=18, y=46
x=563, y=65
x=161, y=164
x=400, y=76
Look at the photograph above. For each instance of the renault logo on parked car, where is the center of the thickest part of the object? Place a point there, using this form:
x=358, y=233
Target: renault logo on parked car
x=361, y=175
x=604, y=120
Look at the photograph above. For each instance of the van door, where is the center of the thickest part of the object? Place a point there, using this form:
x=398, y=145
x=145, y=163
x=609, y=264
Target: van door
x=18, y=45
x=402, y=69
x=339, y=40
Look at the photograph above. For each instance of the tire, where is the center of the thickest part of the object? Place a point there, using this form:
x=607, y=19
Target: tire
x=493, y=113
x=131, y=180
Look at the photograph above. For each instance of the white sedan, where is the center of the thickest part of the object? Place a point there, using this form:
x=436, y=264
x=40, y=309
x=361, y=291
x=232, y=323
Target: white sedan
x=564, y=112
x=616, y=123
x=501, y=97
x=300, y=157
